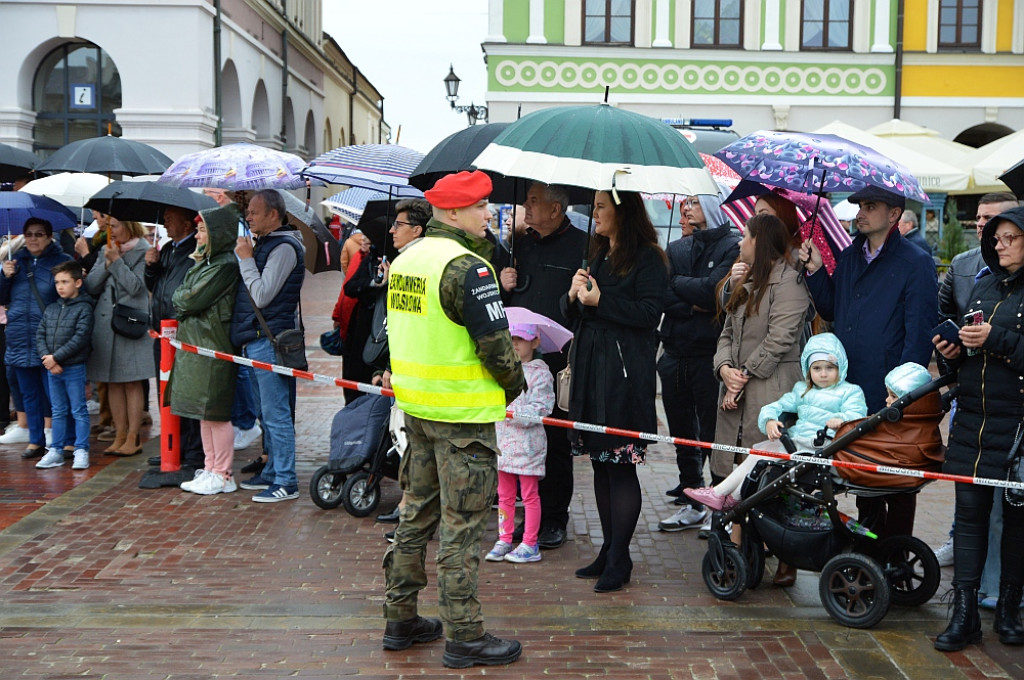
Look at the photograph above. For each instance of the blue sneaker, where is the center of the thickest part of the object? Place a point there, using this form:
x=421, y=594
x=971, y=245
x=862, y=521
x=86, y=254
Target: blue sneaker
x=256, y=483
x=524, y=553
x=275, y=493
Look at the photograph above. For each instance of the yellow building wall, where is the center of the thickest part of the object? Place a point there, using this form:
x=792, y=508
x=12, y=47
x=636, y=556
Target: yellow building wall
x=915, y=30
x=963, y=81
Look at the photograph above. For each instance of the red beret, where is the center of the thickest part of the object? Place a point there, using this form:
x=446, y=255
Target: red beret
x=460, y=190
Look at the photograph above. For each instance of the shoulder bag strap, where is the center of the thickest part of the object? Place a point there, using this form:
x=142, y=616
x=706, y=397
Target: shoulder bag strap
x=32, y=284
x=259, y=315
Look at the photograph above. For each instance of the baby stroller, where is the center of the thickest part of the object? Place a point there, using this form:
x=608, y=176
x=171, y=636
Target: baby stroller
x=362, y=454
x=790, y=508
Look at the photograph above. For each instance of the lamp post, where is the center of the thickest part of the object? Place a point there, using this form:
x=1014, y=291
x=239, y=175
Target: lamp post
x=451, y=86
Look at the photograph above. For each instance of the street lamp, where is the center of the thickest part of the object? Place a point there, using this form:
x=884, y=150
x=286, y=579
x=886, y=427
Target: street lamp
x=451, y=86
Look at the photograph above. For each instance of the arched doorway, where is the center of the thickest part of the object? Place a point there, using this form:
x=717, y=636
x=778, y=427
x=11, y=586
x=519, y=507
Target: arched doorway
x=76, y=89
x=261, y=115
x=309, y=136
x=980, y=135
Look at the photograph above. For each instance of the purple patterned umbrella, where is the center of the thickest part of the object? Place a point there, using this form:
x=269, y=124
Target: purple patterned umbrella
x=380, y=167
x=811, y=163
x=237, y=167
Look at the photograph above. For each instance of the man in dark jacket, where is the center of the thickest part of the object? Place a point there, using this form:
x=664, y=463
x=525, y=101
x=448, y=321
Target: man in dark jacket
x=165, y=270
x=546, y=258
x=909, y=230
x=883, y=301
x=689, y=336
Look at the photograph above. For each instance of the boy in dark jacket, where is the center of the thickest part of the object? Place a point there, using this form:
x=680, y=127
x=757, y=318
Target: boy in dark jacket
x=63, y=342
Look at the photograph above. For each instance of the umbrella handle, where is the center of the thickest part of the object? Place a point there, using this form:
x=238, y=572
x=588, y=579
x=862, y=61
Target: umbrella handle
x=585, y=267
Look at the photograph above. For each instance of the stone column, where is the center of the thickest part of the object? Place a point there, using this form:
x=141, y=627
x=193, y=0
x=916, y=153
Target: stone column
x=772, y=10
x=883, y=18
x=661, y=15
x=16, y=125
x=495, y=21
x=536, y=23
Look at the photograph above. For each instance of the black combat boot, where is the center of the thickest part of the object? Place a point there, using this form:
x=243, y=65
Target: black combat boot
x=964, y=625
x=1007, y=623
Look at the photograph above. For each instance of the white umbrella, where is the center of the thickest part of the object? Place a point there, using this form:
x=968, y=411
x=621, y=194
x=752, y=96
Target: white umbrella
x=931, y=173
x=71, y=189
x=923, y=140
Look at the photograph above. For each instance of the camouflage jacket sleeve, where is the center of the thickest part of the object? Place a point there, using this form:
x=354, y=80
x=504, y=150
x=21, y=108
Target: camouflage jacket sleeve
x=470, y=297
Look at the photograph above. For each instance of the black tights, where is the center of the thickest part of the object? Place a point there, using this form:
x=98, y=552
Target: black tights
x=617, y=490
x=970, y=537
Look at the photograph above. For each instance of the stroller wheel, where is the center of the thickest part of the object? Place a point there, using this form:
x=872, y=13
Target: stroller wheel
x=325, y=488
x=911, y=568
x=753, y=552
x=359, y=495
x=854, y=591
x=724, y=569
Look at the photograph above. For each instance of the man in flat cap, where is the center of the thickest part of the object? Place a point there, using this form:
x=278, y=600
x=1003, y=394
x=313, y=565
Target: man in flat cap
x=883, y=301
x=454, y=371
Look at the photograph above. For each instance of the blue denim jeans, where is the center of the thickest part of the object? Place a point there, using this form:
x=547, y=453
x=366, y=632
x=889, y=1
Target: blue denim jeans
x=34, y=387
x=272, y=397
x=67, y=393
x=243, y=410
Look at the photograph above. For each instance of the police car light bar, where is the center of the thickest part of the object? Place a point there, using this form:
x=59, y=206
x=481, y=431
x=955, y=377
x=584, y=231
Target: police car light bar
x=703, y=122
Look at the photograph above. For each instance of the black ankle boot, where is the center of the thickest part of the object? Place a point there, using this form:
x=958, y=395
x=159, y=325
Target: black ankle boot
x=595, y=568
x=1007, y=623
x=964, y=625
x=615, y=576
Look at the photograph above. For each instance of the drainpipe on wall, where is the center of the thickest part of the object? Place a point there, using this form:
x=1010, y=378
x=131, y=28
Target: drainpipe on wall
x=218, y=135
x=380, y=123
x=352, y=105
x=284, y=87
x=897, y=100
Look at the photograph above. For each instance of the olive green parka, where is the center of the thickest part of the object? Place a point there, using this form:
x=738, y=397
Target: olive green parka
x=201, y=387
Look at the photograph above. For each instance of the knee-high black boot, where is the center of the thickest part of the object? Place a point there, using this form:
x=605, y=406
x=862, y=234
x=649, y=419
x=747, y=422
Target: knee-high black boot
x=964, y=625
x=1007, y=623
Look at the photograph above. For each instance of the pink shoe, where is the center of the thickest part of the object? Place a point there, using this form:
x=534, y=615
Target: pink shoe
x=707, y=496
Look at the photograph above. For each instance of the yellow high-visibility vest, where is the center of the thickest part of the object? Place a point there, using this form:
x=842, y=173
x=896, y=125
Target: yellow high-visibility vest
x=435, y=372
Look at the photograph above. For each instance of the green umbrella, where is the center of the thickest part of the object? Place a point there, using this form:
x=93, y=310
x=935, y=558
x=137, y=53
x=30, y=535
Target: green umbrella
x=598, y=147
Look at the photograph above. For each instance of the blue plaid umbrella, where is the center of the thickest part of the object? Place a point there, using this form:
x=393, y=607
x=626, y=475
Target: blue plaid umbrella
x=17, y=206
x=381, y=167
x=350, y=203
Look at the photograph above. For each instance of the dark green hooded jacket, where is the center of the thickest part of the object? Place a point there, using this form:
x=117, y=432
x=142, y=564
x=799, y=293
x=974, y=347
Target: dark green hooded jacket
x=200, y=387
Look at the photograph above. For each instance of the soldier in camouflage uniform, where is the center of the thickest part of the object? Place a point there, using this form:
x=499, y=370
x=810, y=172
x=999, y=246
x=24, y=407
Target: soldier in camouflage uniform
x=449, y=472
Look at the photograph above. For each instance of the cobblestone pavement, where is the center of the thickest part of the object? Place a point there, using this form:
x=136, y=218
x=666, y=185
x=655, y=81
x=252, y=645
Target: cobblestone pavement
x=105, y=580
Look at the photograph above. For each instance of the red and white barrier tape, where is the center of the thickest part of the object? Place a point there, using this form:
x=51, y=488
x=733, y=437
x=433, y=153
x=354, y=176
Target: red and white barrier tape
x=604, y=429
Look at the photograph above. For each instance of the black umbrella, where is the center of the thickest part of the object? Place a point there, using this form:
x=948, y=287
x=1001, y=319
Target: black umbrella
x=107, y=155
x=1014, y=178
x=376, y=221
x=456, y=152
x=145, y=201
x=16, y=163
x=322, y=250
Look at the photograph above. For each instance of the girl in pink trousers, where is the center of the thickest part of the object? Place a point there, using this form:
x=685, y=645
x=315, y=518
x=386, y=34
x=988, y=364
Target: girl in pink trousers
x=523, y=447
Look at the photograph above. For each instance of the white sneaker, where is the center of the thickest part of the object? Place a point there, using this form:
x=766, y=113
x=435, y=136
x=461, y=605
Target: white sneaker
x=209, y=484
x=93, y=407
x=498, y=552
x=15, y=434
x=945, y=554
x=245, y=438
x=48, y=432
x=229, y=485
x=53, y=458
x=684, y=518
x=81, y=460
x=188, y=485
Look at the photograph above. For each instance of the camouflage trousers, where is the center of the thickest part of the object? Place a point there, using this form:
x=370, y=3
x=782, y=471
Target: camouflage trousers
x=448, y=477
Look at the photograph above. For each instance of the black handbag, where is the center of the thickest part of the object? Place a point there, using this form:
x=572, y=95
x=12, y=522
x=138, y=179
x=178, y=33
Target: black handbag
x=375, y=351
x=1015, y=473
x=290, y=345
x=128, y=322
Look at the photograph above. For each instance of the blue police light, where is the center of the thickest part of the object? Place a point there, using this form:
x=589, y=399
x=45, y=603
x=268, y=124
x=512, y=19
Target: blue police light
x=702, y=122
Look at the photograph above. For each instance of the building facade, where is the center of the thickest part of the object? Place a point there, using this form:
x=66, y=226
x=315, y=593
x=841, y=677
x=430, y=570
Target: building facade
x=181, y=75
x=956, y=66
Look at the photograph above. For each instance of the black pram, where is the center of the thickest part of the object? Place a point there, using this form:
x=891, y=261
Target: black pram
x=790, y=509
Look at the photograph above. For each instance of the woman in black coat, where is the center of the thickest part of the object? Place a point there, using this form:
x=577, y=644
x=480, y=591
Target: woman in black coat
x=989, y=417
x=613, y=368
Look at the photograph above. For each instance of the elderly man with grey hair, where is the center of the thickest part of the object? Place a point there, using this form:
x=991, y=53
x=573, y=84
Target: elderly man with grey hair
x=544, y=260
x=909, y=228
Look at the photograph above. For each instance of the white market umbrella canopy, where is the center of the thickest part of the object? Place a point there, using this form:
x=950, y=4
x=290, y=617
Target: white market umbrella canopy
x=924, y=140
x=988, y=162
x=931, y=172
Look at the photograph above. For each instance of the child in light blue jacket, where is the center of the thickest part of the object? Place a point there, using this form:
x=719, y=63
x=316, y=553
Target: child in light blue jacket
x=822, y=400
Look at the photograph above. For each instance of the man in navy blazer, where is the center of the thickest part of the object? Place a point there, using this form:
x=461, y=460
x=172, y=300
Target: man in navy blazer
x=883, y=302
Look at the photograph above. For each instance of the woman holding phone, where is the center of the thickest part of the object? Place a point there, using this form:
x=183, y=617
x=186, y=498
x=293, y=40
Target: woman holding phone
x=986, y=429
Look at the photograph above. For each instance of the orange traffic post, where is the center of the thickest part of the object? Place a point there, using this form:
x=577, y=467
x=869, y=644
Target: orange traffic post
x=170, y=424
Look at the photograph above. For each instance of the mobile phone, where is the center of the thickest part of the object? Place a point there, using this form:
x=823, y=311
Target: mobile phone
x=973, y=318
x=948, y=331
